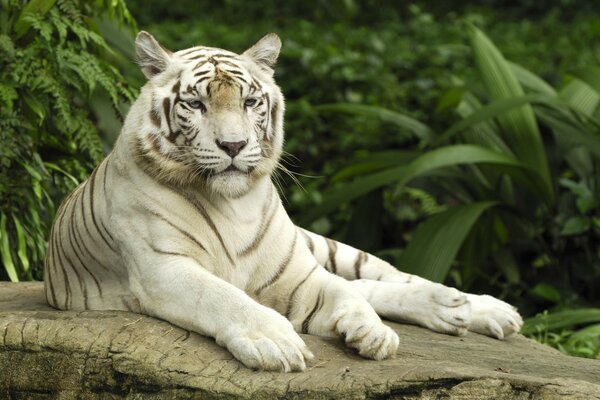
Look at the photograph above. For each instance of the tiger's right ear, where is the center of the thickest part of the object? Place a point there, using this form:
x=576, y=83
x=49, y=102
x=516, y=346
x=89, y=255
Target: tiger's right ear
x=151, y=56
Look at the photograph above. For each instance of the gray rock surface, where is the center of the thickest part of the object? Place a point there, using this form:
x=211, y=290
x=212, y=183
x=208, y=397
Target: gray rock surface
x=46, y=353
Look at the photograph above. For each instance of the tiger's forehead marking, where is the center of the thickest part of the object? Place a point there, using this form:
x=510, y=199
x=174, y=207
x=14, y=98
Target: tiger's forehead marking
x=210, y=66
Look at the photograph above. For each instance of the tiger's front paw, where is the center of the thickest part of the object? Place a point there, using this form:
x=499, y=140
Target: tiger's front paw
x=364, y=331
x=493, y=317
x=271, y=344
x=434, y=306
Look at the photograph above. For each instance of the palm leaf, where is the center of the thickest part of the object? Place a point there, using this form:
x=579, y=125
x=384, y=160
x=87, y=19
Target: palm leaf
x=519, y=126
x=426, y=164
x=412, y=125
x=436, y=242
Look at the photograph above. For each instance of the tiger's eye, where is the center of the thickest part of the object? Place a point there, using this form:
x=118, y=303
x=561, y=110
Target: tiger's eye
x=250, y=102
x=196, y=104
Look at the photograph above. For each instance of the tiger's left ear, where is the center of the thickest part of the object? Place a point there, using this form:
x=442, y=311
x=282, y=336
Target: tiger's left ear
x=151, y=56
x=265, y=51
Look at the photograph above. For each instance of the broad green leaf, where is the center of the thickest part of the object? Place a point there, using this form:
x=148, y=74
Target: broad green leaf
x=576, y=226
x=569, y=129
x=374, y=162
x=519, y=127
x=488, y=112
x=546, y=292
x=561, y=320
x=588, y=333
x=531, y=80
x=402, y=121
x=401, y=175
x=485, y=133
x=9, y=265
x=590, y=75
x=436, y=242
x=581, y=97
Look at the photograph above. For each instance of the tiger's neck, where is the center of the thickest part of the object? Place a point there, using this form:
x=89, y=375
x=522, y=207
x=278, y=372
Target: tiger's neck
x=247, y=207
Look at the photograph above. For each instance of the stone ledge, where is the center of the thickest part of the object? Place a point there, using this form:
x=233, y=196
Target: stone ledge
x=110, y=354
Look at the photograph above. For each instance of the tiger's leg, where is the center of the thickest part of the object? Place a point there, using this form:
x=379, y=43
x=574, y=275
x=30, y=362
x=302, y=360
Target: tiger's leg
x=324, y=304
x=404, y=297
x=177, y=289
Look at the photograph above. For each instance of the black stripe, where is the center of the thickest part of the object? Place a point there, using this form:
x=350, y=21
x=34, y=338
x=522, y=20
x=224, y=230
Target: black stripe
x=189, y=51
x=91, y=182
x=81, y=239
x=82, y=286
x=309, y=242
x=185, y=233
x=361, y=257
x=49, y=278
x=167, y=111
x=64, y=272
x=164, y=252
x=200, y=73
x=55, y=238
x=106, y=161
x=73, y=239
x=310, y=316
x=282, y=266
x=332, y=250
x=263, y=228
x=293, y=294
x=198, y=206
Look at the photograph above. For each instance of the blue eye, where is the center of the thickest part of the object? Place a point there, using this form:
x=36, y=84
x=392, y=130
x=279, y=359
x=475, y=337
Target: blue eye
x=196, y=104
x=251, y=102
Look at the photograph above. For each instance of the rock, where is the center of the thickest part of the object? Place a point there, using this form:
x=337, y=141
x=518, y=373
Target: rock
x=46, y=353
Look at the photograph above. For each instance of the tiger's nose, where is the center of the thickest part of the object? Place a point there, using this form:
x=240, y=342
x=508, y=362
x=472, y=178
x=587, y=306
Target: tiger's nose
x=232, y=148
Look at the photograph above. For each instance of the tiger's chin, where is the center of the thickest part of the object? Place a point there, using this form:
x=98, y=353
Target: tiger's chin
x=233, y=184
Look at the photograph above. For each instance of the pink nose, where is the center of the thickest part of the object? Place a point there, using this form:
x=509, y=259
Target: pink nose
x=232, y=148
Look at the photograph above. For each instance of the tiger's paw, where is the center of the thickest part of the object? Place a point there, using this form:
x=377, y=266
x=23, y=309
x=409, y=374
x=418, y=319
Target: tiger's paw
x=493, y=317
x=365, y=332
x=271, y=345
x=431, y=305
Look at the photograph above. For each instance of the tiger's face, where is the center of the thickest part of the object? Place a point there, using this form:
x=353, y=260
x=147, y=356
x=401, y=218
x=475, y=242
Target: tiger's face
x=211, y=117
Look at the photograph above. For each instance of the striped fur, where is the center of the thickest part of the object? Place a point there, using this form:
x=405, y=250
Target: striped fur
x=173, y=225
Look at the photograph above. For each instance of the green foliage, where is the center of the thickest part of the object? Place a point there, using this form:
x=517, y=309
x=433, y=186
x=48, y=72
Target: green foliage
x=52, y=59
x=525, y=229
x=556, y=330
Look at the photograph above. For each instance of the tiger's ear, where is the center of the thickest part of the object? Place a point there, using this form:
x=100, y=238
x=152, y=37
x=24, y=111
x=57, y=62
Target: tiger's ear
x=265, y=51
x=151, y=56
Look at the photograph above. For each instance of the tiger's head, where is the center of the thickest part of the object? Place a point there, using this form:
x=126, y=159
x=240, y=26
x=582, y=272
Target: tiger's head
x=208, y=116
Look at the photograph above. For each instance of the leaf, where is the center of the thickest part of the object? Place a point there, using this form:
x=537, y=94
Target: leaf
x=487, y=112
x=561, y=320
x=427, y=163
x=576, y=226
x=546, y=292
x=519, y=126
x=400, y=120
x=9, y=265
x=374, y=162
x=590, y=75
x=581, y=97
x=436, y=242
x=531, y=80
x=39, y=7
x=570, y=130
x=22, y=244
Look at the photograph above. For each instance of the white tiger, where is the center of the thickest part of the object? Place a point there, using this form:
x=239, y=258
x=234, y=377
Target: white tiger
x=181, y=221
